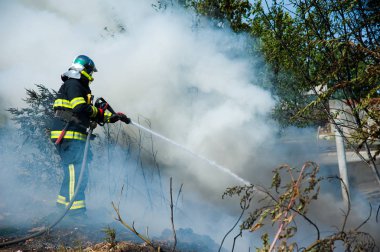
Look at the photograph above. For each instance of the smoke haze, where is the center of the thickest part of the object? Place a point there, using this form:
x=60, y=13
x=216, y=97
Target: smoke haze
x=194, y=85
x=190, y=84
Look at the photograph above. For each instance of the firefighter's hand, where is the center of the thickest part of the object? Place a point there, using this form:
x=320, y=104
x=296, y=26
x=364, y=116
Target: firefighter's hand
x=114, y=118
x=119, y=116
x=124, y=118
x=93, y=125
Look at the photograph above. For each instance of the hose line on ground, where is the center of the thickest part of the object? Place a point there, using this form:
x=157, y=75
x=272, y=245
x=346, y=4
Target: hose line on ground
x=83, y=167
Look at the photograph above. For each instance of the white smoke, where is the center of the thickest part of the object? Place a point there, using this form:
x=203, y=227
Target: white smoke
x=183, y=80
x=193, y=85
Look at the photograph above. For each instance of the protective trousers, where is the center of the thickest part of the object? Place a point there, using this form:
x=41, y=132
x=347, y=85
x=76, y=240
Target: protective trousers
x=71, y=153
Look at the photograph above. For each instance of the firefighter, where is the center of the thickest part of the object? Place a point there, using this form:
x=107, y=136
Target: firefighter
x=74, y=113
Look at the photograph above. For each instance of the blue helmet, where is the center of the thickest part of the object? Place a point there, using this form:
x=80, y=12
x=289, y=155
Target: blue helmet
x=81, y=65
x=84, y=62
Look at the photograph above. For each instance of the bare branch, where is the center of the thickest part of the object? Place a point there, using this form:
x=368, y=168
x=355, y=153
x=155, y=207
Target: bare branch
x=233, y=245
x=171, y=216
x=233, y=227
x=366, y=220
x=179, y=193
x=346, y=214
x=132, y=229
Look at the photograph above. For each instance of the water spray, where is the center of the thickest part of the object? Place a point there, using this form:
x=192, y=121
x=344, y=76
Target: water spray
x=101, y=103
x=210, y=162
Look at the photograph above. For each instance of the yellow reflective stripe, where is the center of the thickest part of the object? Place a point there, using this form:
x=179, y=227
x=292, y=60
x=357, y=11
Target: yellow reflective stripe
x=55, y=133
x=76, y=204
x=69, y=135
x=61, y=199
x=107, y=116
x=69, y=104
x=62, y=103
x=72, y=181
x=94, y=111
x=76, y=101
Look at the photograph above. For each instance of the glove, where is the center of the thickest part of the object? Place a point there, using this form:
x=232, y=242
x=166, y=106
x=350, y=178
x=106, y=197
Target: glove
x=124, y=118
x=119, y=116
x=114, y=118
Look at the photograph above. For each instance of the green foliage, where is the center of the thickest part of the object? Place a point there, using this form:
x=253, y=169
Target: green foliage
x=316, y=52
x=110, y=236
x=34, y=121
x=290, y=196
x=309, y=46
x=323, y=44
x=233, y=13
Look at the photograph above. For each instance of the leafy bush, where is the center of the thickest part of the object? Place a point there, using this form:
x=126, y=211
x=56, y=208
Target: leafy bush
x=39, y=159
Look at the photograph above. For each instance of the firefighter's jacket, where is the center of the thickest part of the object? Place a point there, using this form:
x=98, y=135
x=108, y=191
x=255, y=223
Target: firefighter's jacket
x=74, y=97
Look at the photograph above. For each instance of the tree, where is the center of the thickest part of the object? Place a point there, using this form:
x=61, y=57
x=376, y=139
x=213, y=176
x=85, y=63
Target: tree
x=34, y=121
x=337, y=58
x=232, y=13
x=317, y=51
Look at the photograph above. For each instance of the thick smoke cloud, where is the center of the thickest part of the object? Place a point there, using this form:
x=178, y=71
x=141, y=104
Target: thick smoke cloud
x=194, y=86
x=188, y=83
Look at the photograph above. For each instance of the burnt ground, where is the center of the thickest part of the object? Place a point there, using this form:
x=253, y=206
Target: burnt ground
x=92, y=237
x=75, y=238
x=82, y=239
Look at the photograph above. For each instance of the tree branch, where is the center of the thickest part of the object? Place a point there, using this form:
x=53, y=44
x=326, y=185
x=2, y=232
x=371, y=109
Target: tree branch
x=233, y=227
x=171, y=216
x=132, y=229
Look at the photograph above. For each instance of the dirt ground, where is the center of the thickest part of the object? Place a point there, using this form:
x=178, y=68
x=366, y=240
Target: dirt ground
x=94, y=238
x=76, y=239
